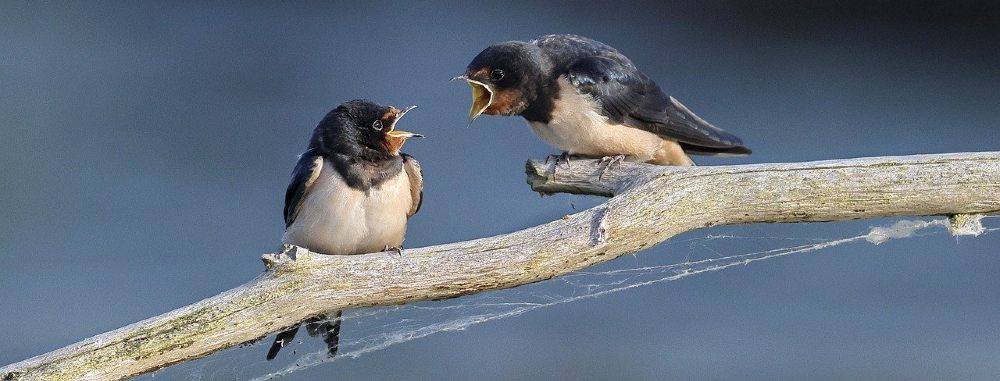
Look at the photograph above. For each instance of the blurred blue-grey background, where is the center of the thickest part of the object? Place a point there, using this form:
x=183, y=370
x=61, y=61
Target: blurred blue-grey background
x=145, y=148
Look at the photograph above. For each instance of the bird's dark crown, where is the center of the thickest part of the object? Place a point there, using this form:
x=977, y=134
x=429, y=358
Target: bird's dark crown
x=518, y=60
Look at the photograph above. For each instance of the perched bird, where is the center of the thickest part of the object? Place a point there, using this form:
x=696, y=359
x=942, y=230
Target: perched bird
x=351, y=192
x=585, y=98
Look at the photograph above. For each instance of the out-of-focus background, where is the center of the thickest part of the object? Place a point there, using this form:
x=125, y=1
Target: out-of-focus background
x=145, y=149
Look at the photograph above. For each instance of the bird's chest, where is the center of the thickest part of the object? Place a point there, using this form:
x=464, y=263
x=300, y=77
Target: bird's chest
x=337, y=219
x=576, y=126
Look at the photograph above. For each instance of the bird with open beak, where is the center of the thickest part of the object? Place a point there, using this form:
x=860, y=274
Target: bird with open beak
x=351, y=192
x=585, y=98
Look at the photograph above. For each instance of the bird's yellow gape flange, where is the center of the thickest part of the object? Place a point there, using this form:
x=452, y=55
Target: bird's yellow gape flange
x=482, y=98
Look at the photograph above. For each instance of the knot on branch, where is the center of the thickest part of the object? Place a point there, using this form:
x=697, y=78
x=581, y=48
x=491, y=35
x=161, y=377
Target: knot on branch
x=599, y=227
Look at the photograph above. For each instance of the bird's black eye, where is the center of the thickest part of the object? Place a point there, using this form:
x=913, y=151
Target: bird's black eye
x=377, y=125
x=496, y=74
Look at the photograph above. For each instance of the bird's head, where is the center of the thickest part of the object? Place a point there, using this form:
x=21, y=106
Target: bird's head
x=504, y=78
x=363, y=124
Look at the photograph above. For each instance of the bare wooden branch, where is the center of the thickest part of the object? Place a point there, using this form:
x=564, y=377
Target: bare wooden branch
x=651, y=205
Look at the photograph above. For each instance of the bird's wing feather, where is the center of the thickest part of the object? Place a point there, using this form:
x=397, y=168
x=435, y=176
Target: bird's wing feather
x=416, y=176
x=303, y=176
x=628, y=97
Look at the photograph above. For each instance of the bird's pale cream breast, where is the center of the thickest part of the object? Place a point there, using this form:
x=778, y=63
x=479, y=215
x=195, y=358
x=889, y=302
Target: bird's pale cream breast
x=337, y=219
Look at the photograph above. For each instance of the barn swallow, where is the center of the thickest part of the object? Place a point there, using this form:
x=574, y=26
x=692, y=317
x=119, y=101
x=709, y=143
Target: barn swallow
x=351, y=192
x=585, y=98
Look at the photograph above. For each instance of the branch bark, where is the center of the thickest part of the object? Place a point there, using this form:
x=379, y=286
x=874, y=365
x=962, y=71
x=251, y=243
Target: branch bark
x=650, y=205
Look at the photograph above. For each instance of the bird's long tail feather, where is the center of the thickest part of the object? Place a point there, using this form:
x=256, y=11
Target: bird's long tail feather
x=329, y=329
x=280, y=341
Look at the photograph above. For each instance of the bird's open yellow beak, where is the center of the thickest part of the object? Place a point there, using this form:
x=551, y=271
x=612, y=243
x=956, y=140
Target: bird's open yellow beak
x=403, y=134
x=393, y=132
x=482, y=97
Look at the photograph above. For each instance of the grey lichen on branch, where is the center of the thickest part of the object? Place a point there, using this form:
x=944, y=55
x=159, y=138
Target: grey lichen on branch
x=650, y=205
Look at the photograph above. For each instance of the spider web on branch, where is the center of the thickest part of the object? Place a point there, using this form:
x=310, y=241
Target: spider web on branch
x=373, y=329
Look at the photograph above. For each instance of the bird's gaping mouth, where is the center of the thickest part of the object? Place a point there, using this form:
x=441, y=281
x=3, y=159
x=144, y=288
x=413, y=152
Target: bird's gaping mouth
x=393, y=132
x=482, y=97
x=394, y=138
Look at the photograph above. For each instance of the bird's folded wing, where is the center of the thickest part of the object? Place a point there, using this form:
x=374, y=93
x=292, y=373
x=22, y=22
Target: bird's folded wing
x=303, y=176
x=628, y=97
x=416, y=176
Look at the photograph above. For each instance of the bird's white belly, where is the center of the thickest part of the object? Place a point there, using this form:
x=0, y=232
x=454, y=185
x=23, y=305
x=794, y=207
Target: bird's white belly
x=578, y=128
x=337, y=219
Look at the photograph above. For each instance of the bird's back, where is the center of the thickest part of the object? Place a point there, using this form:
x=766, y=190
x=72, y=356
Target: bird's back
x=565, y=49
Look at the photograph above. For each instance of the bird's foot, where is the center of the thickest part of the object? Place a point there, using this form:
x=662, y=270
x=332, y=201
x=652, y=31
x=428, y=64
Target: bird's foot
x=397, y=249
x=550, y=158
x=562, y=158
x=608, y=162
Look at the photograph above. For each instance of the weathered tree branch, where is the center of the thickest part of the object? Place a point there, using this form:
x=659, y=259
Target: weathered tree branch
x=651, y=204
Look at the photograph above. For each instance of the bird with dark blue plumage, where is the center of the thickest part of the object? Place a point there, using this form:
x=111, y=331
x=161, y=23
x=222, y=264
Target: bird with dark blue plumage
x=585, y=98
x=352, y=192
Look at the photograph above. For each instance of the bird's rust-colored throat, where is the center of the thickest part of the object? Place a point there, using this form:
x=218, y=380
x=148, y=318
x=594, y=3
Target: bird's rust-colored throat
x=394, y=139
